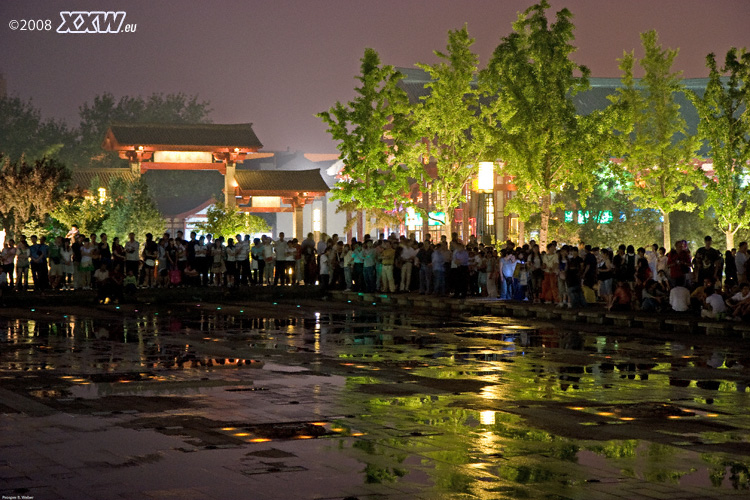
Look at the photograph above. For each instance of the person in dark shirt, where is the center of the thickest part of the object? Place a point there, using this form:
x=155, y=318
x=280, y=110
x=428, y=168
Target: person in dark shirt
x=573, y=279
x=708, y=261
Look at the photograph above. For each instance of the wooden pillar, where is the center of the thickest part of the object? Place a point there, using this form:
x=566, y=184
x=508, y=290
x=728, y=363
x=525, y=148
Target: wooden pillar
x=297, y=221
x=229, y=185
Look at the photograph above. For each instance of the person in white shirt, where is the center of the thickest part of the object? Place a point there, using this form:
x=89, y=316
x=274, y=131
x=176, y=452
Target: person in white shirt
x=408, y=255
x=739, y=303
x=679, y=299
x=713, y=305
x=132, y=254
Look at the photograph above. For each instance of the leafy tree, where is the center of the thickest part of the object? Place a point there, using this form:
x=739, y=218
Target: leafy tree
x=725, y=126
x=132, y=210
x=23, y=132
x=29, y=189
x=97, y=116
x=657, y=150
x=545, y=144
x=449, y=119
x=373, y=179
x=230, y=221
x=86, y=212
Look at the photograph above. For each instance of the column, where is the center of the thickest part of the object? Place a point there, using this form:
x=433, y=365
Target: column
x=229, y=184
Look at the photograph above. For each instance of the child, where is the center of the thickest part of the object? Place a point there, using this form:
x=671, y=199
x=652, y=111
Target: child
x=130, y=283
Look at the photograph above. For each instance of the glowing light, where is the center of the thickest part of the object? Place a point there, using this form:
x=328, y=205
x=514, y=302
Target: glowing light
x=357, y=434
x=304, y=436
x=627, y=418
x=487, y=417
x=576, y=408
x=183, y=157
x=319, y=423
x=486, y=177
x=317, y=219
x=605, y=413
x=258, y=440
x=266, y=201
x=241, y=434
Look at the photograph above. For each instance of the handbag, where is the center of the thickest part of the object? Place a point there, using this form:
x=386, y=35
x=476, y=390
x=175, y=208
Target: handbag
x=150, y=262
x=175, y=276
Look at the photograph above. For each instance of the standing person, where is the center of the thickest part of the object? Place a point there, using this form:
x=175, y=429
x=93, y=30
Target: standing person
x=66, y=256
x=190, y=250
x=437, y=261
x=369, y=262
x=132, y=254
x=388, y=259
x=201, y=260
x=461, y=261
x=280, y=247
x=268, y=258
x=740, y=262
x=233, y=270
x=292, y=257
x=218, y=267
x=105, y=254
x=118, y=254
x=707, y=261
x=652, y=256
x=508, y=268
x=550, y=265
x=258, y=265
x=241, y=275
x=590, y=264
x=348, y=267
x=23, y=255
x=358, y=267
x=55, y=264
x=8, y=258
x=324, y=271
x=730, y=271
x=605, y=274
x=39, y=253
x=534, y=264
x=562, y=268
x=75, y=247
x=87, y=264
x=149, y=255
x=408, y=256
x=424, y=261
x=678, y=263
x=662, y=262
x=573, y=279
x=162, y=262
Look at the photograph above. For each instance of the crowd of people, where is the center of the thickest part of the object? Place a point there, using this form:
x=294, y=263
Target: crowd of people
x=654, y=279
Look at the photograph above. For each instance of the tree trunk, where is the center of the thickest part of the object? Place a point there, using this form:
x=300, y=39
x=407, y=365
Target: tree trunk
x=544, y=229
x=449, y=224
x=667, y=228
x=729, y=234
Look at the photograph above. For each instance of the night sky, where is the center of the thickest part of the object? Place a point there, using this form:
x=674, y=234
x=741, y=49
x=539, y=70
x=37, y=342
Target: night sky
x=277, y=63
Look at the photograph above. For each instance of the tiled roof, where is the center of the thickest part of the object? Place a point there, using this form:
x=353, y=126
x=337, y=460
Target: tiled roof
x=595, y=98
x=84, y=178
x=202, y=134
x=280, y=180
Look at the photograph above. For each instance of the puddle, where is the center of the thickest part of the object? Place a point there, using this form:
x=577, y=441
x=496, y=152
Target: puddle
x=472, y=406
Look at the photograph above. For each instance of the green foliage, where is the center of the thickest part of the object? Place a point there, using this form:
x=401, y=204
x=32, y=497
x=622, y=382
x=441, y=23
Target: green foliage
x=230, y=221
x=372, y=178
x=545, y=144
x=132, y=210
x=449, y=118
x=29, y=189
x=105, y=109
x=657, y=151
x=88, y=213
x=23, y=132
x=725, y=126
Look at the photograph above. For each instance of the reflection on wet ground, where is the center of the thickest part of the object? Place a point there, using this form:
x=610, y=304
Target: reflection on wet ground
x=428, y=407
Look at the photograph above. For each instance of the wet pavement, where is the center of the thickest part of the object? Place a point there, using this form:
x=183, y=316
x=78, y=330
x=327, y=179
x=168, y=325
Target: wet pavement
x=328, y=401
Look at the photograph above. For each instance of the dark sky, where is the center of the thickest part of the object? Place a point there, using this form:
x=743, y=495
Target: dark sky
x=277, y=63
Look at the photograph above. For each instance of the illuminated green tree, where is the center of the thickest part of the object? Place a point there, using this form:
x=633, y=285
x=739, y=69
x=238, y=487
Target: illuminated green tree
x=657, y=151
x=449, y=119
x=230, y=221
x=725, y=126
x=29, y=189
x=372, y=131
x=132, y=210
x=545, y=144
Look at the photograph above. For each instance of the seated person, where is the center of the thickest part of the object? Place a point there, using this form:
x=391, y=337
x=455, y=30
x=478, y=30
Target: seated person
x=622, y=297
x=130, y=283
x=652, y=296
x=191, y=276
x=739, y=303
x=713, y=305
x=698, y=296
x=679, y=298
